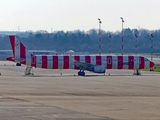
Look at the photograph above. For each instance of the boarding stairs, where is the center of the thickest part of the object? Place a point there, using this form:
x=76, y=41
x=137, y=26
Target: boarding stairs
x=29, y=70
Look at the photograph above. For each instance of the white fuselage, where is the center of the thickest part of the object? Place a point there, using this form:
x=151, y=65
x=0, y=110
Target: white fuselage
x=109, y=61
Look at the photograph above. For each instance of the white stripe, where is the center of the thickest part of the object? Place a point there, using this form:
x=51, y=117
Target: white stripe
x=39, y=61
x=114, y=62
x=71, y=64
x=136, y=62
x=28, y=59
x=104, y=61
x=93, y=60
x=125, y=61
x=49, y=62
x=82, y=58
x=60, y=62
x=17, y=48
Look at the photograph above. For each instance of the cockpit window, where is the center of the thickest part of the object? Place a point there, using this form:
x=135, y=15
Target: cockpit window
x=146, y=60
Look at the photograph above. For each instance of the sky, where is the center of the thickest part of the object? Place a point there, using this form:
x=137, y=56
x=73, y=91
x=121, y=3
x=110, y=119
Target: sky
x=69, y=15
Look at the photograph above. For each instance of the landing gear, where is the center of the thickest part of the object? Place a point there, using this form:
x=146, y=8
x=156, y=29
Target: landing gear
x=81, y=73
x=136, y=72
x=28, y=71
x=61, y=71
x=151, y=69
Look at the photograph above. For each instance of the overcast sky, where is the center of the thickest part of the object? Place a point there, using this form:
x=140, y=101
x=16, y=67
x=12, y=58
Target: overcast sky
x=71, y=15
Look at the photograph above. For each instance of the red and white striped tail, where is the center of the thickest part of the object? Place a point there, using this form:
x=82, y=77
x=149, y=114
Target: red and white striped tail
x=19, y=50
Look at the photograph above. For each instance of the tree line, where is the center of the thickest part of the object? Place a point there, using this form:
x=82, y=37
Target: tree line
x=81, y=41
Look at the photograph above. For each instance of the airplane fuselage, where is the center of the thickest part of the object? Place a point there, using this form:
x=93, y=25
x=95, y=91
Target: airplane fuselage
x=65, y=61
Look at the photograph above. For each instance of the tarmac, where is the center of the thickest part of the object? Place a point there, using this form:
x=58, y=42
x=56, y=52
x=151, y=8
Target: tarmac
x=50, y=96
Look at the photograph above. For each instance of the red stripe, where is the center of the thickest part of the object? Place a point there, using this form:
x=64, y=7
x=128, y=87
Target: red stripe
x=141, y=60
x=77, y=58
x=130, y=62
x=87, y=59
x=22, y=53
x=44, y=61
x=98, y=60
x=120, y=62
x=55, y=62
x=12, y=40
x=109, y=62
x=33, y=60
x=66, y=62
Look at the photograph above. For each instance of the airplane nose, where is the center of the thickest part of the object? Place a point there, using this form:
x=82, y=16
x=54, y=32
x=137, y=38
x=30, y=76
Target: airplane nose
x=152, y=64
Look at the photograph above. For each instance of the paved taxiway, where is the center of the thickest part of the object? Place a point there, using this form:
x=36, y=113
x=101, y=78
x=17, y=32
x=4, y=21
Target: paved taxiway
x=50, y=96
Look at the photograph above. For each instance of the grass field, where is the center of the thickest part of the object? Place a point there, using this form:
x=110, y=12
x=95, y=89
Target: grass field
x=155, y=69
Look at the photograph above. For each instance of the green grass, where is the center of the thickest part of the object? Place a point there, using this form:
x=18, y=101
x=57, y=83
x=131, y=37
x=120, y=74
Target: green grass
x=155, y=69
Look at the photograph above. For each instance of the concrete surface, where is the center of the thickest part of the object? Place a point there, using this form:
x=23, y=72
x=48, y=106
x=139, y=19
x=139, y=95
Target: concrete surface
x=50, y=96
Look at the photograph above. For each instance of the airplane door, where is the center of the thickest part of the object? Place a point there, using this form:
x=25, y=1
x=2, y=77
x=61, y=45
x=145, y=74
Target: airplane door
x=33, y=60
x=109, y=62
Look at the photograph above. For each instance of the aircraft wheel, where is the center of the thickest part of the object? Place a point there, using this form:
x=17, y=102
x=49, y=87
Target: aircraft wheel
x=79, y=73
x=0, y=73
x=83, y=73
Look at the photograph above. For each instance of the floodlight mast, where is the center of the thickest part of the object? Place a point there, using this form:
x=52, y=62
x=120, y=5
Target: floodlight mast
x=136, y=36
x=152, y=36
x=99, y=35
x=122, y=33
x=152, y=46
x=109, y=43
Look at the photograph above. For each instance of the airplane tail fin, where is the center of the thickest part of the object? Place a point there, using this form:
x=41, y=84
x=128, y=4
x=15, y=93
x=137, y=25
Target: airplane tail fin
x=19, y=50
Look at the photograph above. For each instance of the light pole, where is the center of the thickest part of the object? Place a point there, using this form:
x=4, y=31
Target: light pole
x=151, y=49
x=136, y=36
x=122, y=33
x=152, y=46
x=99, y=35
x=109, y=43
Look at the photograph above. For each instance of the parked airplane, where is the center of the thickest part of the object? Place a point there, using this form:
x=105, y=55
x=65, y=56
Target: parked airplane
x=93, y=63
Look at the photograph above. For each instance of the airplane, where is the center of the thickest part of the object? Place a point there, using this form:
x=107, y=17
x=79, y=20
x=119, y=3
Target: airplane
x=92, y=63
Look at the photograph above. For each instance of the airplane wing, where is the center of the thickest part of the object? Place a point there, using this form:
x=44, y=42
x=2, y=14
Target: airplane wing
x=82, y=65
x=89, y=67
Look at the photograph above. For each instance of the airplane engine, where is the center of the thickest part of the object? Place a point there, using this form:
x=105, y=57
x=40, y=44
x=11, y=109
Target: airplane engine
x=99, y=69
